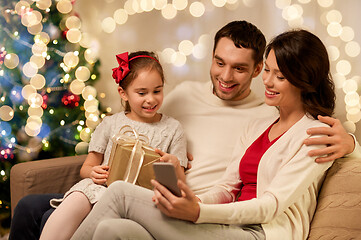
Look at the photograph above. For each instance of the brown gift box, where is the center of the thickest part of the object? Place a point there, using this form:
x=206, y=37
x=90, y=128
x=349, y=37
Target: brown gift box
x=121, y=160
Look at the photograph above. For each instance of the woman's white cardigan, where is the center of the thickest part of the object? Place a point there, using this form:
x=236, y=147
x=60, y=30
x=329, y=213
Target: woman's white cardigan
x=288, y=181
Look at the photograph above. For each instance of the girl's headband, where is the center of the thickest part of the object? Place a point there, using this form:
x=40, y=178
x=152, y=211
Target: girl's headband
x=121, y=72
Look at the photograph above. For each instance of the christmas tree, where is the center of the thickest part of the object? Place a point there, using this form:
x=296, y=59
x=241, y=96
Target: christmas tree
x=48, y=106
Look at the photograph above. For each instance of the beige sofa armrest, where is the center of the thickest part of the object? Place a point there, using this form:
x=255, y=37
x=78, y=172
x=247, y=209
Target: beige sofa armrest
x=339, y=203
x=55, y=175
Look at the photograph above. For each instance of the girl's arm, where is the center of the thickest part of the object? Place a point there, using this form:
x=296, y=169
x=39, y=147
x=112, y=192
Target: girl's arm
x=92, y=169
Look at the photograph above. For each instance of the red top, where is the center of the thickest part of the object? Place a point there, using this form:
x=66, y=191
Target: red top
x=249, y=165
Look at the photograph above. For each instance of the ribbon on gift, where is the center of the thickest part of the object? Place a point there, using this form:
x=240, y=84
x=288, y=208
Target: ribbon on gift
x=129, y=137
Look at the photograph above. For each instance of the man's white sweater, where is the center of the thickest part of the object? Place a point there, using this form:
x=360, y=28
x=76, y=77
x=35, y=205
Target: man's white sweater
x=212, y=127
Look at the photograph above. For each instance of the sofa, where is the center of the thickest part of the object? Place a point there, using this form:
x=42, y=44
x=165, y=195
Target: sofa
x=338, y=213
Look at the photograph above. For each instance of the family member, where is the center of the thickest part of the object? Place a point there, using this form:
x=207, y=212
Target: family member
x=213, y=114
x=140, y=78
x=270, y=188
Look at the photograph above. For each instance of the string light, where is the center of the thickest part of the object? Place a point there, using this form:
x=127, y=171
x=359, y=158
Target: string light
x=33, y=21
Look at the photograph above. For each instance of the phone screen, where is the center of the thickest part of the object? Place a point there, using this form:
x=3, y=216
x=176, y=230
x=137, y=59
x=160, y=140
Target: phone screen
x=165, y=175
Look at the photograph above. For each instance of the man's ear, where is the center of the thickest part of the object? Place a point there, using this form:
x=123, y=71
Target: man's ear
x=122, y=94
x=258, y=69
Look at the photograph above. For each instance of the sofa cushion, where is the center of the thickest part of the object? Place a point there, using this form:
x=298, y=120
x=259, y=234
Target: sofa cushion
x=338, y=213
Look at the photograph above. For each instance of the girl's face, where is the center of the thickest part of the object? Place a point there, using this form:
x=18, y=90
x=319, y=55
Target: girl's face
x=145, y=96
x=279, y=92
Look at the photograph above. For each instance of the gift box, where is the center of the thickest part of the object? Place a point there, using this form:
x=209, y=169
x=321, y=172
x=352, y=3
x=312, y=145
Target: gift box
x=131, y=158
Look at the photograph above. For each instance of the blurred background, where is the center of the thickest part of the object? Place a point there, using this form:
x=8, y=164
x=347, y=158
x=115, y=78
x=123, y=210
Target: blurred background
x=56, y=58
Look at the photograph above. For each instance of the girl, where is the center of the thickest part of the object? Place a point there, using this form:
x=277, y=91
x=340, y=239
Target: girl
x=141, y=81
x=269, y=191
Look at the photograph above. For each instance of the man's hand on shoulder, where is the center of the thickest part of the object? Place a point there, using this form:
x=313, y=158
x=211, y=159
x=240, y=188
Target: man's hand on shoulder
x=338, y=142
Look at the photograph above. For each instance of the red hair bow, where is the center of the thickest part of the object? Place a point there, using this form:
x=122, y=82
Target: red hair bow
x=120, y=72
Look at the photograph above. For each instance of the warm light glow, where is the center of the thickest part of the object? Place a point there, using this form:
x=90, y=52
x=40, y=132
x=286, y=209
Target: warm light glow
x=27, y=91
x=160, y=4
x=339, y=80
x=334, y=16
x=82, y=73
x=73, y=35
x=169, y=12
x=178, y=59
x=167, y=54
x=349, y=126
x=185, y=47
x=343, y=67
x=38, y=81
x=39, y=48
x=30, y=69
x=334, y=29
x=11, y=60
x=89, y=93
x=349, y=86
x=71, y=59
x=199, y=51
x=77, y=86
x=347, y=34
x=43, y=4
x=35, y=100
x=282, y=3
x=333, y=53
x=64, y=6
x=73, y=22
x=352, y=99
x=352, y=49
x=120, y=16
x=6, y=113
x=325, y=3
x=219, y=3
x=35, y=111
x=180, y=4
x=146, y=5
x=108, y=25
x=39, y=61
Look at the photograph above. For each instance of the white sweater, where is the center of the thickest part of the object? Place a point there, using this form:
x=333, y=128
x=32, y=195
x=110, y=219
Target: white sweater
x=287, y=185
x=212, y=127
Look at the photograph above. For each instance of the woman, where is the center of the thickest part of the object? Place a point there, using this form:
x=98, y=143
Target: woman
x=270, y=193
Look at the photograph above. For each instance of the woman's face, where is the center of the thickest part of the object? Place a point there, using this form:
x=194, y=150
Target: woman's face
x=279, y=91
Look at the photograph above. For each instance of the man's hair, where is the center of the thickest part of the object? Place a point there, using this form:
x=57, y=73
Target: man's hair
x=243, y=34
x=303, y=60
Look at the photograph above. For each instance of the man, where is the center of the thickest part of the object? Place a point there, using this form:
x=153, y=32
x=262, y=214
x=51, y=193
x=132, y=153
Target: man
x=215, y=113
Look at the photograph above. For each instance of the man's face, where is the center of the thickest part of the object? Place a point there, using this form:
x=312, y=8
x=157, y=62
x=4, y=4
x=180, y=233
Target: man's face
x=232, y=70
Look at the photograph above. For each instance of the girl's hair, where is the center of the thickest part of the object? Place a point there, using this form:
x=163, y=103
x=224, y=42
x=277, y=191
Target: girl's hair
x=139, y=64
x=244, y=35
x=303, y=60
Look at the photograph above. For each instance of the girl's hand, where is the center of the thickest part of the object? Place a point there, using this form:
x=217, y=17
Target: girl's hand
x=166, y=157
x=99, y=174
x=185, y=207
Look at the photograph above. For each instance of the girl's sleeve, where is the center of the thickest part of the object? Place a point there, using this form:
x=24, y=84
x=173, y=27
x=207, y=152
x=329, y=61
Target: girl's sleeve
x=100, y=137
x=178, y=146
x=290, y=183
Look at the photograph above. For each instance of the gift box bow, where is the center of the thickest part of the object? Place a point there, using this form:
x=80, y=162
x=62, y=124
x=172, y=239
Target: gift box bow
x=129, y=137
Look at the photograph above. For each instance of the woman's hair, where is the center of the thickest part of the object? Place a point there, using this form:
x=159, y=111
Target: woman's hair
x=139, y=64
x=303, y=60
x=243, y=34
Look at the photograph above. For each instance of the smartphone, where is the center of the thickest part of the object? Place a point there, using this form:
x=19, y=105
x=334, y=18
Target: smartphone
x=165, y=175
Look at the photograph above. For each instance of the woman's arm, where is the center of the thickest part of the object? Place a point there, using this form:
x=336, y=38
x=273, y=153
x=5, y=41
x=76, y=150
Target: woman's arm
x=295, y=177
x=92, y=169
